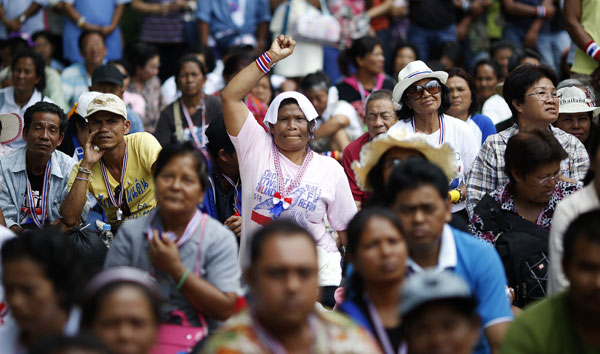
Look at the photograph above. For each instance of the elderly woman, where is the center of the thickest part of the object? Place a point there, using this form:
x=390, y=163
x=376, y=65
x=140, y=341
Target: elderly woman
x=192, y=256
x=281, y=175
x=534, y=188
x=188, y=117
x=575, y=113
x=121, y=307
x=464, y=103
x=424, y=98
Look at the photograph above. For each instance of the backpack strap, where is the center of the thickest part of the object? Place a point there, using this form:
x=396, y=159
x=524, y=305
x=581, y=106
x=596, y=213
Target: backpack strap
x=177, y=119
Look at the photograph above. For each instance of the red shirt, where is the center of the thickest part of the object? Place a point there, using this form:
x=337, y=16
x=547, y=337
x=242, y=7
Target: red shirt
x=351, y=154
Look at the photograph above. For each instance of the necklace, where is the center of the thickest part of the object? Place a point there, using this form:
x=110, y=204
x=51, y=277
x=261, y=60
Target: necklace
x=281, y=201
x=119, y=202
x=442, y=129
x=46, y=183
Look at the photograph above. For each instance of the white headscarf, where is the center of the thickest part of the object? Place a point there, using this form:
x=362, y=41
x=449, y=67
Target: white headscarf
x=305, y=106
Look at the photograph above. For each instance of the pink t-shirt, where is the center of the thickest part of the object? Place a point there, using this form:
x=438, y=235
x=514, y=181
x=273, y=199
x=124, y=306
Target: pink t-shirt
x=323, y=190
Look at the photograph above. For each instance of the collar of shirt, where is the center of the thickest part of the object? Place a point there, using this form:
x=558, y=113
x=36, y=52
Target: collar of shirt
x=19, y=164
x=447, y=258
x=9, y=96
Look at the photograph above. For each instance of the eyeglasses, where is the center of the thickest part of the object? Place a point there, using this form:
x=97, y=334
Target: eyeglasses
x=554, y=178
x=415, y=92
x=124, y=207
x=544, y=94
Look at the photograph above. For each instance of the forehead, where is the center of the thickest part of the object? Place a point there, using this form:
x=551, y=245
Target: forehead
x=424, y=194
x=484, y=69
x=544, y=83
x=190, y=66
x=456, y=81
x=45, y=117
x=288, y=251
x=25, y=61
x=290, y=109
x=380, y=105
x=93, y=38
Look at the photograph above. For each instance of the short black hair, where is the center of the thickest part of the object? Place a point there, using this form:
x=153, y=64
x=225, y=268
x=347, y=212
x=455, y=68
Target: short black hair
x=92, y=303
x=401, y=45
x=519, y=55
x=207, y=53
x=281, y=227
x=46, y=107
x=59, y=260
x=317, y=80
x=406, y=113
x=526, y=151
x=415, y=173
x=218, y=138
x=237, y=59
x=463, y=74
x=383, y=94
x=359, y=48
x=491, y=63
x=58, y=344
x=467, y=307
x=521, y=79
x=177, y=149
x=501, y=44
x=139, y=54
x=87, y=33
x=38, y=62
x=586, y=226
x=190, y=58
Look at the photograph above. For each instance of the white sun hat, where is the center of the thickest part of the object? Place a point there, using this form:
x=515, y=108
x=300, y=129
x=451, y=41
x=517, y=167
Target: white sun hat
x=413, y=72
x=574, y=100
x=11, y=127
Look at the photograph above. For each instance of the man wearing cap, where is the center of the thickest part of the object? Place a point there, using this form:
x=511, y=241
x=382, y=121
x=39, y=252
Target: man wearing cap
x=436, y=305
x=108, y=79
x=380, y=115
x=34, y=177
x=116, y=168
x=529, y=90
x=418, y=192
x=566, y=322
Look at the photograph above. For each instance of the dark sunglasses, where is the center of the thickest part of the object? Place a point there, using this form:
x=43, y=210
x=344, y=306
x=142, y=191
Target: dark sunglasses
x=415, y=92
x=124, y=207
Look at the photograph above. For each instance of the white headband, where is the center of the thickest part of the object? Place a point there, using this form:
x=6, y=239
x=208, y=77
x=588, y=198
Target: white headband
x=305, y=106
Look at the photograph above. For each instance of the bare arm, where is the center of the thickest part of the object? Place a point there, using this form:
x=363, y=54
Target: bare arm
x=382, y=9
x=74, y=16
x=519, y=9
x=331, y=126
x=204, y=29
x=14, y=24
x=117, y=15
x=235, y=111
x=572, y=12
x=495, y=334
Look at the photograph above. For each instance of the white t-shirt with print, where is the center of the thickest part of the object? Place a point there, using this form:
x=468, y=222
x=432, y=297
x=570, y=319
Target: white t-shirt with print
x=460, y=137
x=323, y=190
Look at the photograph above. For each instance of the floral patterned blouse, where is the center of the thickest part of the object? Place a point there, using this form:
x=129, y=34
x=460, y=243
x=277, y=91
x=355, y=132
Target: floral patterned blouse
x=154, y=102
x=505, y=198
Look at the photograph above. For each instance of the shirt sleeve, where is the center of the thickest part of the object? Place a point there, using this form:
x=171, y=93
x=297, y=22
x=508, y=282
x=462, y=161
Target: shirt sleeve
x=347, y=158
x=470, y=149
x=203, y=11
x=343, y=208
x=487, y=127
x=579, y=161
x=560, y=222
x=164, y=130
x=252, y=139
x=222, y=268
x=263, y=9
x=149, y=149
x=482, y=176
x=8, y=208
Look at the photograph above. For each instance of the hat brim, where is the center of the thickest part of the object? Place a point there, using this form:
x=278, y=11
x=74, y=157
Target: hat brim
x=578, y=108
x=106, y=108
x=406, y=83
x=371, y=152
x=12, y=127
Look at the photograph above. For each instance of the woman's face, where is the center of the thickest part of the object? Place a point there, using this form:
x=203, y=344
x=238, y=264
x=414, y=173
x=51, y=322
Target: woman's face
x=538, y=108
x=190, y=79
x=318, y=97
x=373, y=62
x=44, y=48
x=577, y=124
x=126, y=77
x=291, y=132
x=24, y=77
x=485, y=81
x=403, y=57
x=32, y=297
x=262, y=90
x=538, y=186
x=460, y=96
x=149, y=70
x=125, y=321
x=380, y=256
x=428, y=103
x=178, y=186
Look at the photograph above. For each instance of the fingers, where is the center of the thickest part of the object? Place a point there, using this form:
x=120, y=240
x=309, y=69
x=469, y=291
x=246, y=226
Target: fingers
x=91, y=136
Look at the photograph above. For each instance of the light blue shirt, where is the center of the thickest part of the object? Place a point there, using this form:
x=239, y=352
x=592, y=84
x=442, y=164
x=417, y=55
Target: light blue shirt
x=217, y=13
x=75, y=81
x=13, y=186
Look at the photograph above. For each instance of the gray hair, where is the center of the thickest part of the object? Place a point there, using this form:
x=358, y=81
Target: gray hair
x=382, y=94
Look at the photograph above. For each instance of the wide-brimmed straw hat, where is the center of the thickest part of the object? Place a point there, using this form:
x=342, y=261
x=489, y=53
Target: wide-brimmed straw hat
x=574, y=100
x=371, y=152
x=12, y=127
x=413, y=72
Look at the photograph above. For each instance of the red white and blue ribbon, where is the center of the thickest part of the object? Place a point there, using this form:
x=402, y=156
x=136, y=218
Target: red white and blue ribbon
x=40, y=223
x=236, y=198
x=116, y=203
x=442, y=128
x=280, y=200
x=188, y=233
x=264, y=62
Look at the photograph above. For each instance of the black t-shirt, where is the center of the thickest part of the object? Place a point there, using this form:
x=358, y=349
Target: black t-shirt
x=432, y=14
x=37, y=186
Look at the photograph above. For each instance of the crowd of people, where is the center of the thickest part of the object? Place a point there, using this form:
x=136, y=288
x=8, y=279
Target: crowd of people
x=211, y=176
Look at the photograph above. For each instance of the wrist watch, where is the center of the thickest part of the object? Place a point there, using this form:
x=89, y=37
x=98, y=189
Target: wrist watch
x=22, y=18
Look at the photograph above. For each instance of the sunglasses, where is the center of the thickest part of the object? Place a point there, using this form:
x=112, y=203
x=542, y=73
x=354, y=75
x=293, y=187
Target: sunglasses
x=415, y=92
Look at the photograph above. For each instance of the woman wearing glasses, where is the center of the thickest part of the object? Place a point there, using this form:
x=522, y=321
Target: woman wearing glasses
x=534, y=188
x=530, y=93
x=424, y=98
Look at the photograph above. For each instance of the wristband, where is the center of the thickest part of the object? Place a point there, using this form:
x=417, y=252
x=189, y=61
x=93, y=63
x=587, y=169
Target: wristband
x=80, y=21
x=454, y=196
x=541, y=11
x=182, y=280
x=82, y=179
x=84, y=170
x=592, y=49
x=264, y=63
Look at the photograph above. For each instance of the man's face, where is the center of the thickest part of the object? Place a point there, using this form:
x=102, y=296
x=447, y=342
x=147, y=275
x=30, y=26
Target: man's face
x=422, y=213
x=43, y=134
x=93, y=49
x=380, y=116
x=111, y=129
x=538, y=106
x=502, y=57
x=284, y=281
x=583, y=272
x=106, y=87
